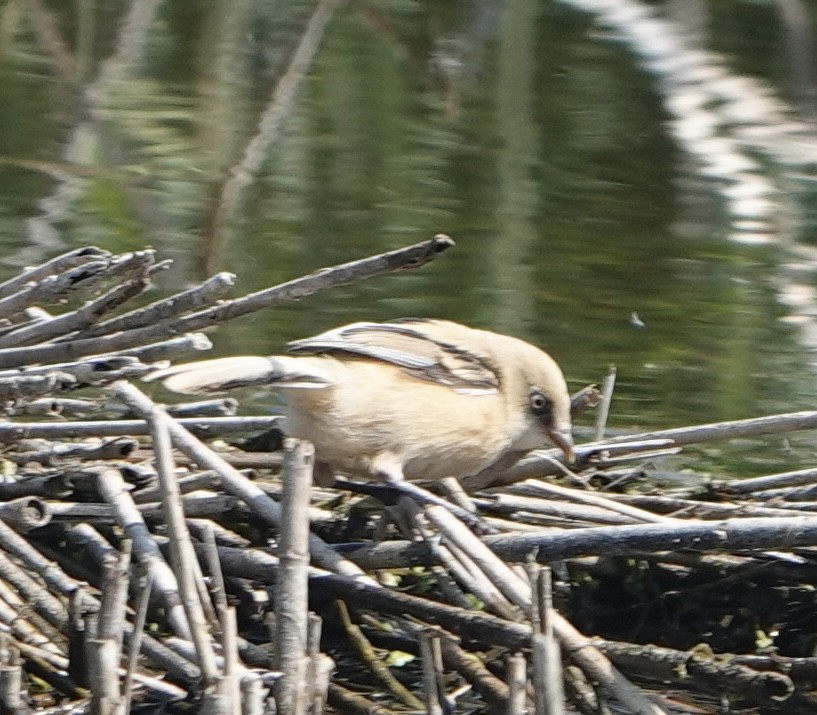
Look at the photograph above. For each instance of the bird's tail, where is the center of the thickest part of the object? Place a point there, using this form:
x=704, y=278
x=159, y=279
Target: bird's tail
x=207, y=376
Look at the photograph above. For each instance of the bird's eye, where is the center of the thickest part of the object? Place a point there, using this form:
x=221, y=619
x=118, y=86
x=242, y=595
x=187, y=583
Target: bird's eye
x=540, y=405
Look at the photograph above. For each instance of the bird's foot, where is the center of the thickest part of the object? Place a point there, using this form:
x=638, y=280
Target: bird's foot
x=389, y=491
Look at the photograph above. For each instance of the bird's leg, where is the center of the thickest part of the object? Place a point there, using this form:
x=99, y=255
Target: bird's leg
x=388, y=491
x=392, y=480
x=423, y=496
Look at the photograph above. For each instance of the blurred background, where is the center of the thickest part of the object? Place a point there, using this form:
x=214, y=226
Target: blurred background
x=628, y=183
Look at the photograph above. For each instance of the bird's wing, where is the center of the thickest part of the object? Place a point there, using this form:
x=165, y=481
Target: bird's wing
x=428, y=349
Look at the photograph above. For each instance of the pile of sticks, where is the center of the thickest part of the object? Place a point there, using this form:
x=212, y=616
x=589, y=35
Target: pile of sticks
x=138, y=565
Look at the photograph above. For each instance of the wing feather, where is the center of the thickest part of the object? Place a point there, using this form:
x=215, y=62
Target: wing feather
x=427, y=349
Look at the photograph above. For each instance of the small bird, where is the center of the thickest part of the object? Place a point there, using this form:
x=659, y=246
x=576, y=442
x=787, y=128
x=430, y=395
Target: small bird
x=408, y=399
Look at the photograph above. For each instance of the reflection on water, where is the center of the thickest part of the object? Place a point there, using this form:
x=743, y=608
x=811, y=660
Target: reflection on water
x=592, y=158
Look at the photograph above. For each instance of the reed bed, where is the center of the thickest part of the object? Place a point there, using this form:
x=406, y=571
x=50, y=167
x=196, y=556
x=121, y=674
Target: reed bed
x=177, y=558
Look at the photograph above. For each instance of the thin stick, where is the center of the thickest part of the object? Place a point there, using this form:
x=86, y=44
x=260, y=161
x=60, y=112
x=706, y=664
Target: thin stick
x=542, y=462
x=291, y=589
x=603, y=411
x=107, y=646
x=756, y=534
x=517, y=685
x=44, y=330
x=796, y=478
x=546, y=659
x=431, y=656
x=182, y=553
x=538, y=488
x=501, y=575
x=253, y=694
x=135, y=643
x=56, y=266
x=14, y=432
x=402, y=259
x=165, y=349
x=218, y=590
x=373, y=661
x=115, y=492
x=229, y=685
x=195, y=298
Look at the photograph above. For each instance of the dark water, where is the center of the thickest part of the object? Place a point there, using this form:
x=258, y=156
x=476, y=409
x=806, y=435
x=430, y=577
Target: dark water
x=591, y=159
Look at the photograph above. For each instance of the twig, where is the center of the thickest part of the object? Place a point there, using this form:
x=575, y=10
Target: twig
x=320, y=666
x=455, y=569
x=32, y=591
x=755, y=534
x=735, y=429
x=34, y=386
x=229, y=688
x=586, y=398
x=92, y=371
x=189, y=483
x=677, y=507
x=473, y=670
x=351, y=703
x=55, y=287
x=462, y=567
x=53, y=407
x=114, y=448
x=545, y=656
x=14, y=432
x=536, y=487
x=14, y=698
x=707, y=672
x=432, y=671
x=165, y=349
x=607, y=388
x=372, y=661
x=182, y=554
x=517, y=684
x=796, y=478
x=400, y=259
x=141, y=607
x=541, y=463
x=25, y=630
x=114, y=491
x=106, y=647
x=56, y=266
x=193, y=299
x=49, y=486
x=44, y=330
x=541, y=511
x=219, y=407
x=252, y=695
x=501, y=575
x=217, y=587
x=291, y=590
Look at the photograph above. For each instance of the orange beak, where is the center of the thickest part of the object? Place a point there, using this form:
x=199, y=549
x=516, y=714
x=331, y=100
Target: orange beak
x=563, y=439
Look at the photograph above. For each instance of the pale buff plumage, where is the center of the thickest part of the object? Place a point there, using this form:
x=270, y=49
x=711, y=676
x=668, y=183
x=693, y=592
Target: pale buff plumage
x=413, y=399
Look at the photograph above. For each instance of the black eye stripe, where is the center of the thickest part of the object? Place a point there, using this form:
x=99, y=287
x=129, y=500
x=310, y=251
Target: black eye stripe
x=540, y=404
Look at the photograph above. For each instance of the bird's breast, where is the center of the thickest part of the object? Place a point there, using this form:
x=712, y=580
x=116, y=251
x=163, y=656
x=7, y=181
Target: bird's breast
x=372, y=409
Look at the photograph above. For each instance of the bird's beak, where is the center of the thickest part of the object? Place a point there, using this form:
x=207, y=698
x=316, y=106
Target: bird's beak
x=563, y=439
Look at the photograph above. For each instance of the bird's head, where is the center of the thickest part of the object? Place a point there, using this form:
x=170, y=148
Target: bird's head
x=540, y=390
